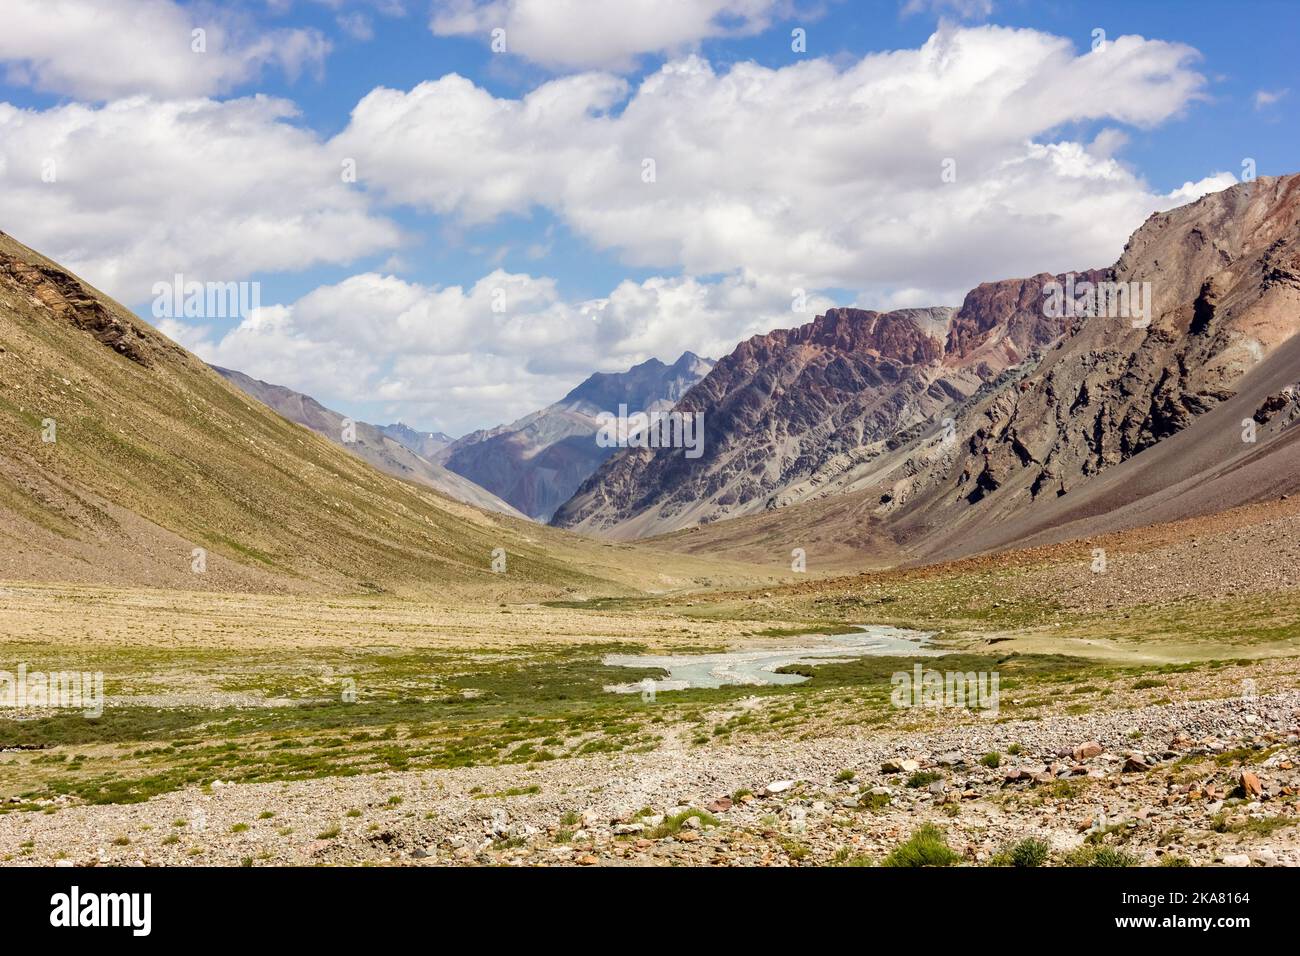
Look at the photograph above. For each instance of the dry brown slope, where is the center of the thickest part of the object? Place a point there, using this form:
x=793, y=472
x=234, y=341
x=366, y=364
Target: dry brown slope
x=155, y=455
x=368, y=442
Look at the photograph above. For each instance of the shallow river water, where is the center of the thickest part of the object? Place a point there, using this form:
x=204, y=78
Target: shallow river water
x=758, y=666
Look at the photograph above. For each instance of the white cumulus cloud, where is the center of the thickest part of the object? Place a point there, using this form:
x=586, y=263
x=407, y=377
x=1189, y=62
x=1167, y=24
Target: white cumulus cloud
x=129, y=193
x=103, y=49
x=831, y=174
x=584, y=34
x=460, y=357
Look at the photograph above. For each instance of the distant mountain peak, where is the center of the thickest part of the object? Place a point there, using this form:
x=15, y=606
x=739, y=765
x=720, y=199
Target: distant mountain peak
x=426, y=444
x=538, y=461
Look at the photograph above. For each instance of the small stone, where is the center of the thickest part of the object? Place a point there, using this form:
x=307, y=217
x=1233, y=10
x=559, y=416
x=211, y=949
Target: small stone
x=720, y=805
x=1236, y=859
x=1088, y=750
x=900, y=766
x=587, y=860
x=778, y=786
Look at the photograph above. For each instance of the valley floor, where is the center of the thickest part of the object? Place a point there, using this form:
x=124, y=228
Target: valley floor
x=1173, y=784
x=1149, y=713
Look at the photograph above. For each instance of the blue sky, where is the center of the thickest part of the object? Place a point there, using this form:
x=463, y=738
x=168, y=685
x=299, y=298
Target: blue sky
x=1058, y=161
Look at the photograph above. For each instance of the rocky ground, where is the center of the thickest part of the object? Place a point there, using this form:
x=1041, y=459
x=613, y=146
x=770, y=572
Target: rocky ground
x=1210, y=782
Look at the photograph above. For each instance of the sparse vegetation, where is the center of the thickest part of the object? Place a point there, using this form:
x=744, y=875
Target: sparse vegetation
x=926, y=846
x=1092, y=855
x=1026, y=853
x=672, y=825
x=922, y=778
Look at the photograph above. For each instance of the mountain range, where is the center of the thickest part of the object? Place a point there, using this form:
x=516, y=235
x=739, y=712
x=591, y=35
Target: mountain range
x=939, y=432
x=862, y=437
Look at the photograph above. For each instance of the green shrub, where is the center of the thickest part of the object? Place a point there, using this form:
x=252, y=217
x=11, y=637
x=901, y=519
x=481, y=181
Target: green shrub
x=673, y=824
x=1028, y=852
x=875, y=802
x=1090, y=855
x=925, y=847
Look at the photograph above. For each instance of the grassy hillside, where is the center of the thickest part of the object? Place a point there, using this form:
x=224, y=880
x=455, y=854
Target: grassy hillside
x=156, y=455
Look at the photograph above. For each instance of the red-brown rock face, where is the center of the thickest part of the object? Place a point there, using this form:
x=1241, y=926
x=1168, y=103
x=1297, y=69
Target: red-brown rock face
x=1030, y=403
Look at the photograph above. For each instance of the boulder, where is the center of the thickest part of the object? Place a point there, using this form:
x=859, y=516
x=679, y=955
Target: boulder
x=1250, y=785
x=1087, y=750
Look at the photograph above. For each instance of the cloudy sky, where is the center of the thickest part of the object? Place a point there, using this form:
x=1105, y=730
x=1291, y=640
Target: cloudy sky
x=458, y=210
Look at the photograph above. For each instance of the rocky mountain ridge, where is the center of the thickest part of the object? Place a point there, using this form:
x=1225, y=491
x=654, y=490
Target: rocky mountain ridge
x=964, y=418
